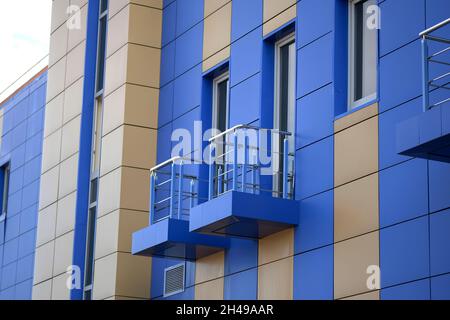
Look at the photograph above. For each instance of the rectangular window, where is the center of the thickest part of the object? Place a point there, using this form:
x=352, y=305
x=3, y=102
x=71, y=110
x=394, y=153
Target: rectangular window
x=101, y=47
x=97, y=136
x=284, y=113
x=220, y=102
x=4, y=189
x=95, y=152
x=220, y=122
x=363, y=54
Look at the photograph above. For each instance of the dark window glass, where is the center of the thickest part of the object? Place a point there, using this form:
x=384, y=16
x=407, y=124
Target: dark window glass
x=90, y=241
x=103, y=6
x=5, y=189
x=358, y=49
x=101, y=54
x=222, y=105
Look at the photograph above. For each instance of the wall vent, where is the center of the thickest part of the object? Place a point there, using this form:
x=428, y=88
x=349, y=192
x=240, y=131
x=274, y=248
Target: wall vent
x=174, y=279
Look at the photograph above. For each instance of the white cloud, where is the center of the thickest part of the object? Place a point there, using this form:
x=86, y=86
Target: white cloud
x=24, y=36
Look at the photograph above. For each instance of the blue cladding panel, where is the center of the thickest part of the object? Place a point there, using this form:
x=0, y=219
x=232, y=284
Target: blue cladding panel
x=314, y=20
x=187, y=91
x=84, y=159
x=189, y=49
x=440, y=287
x=314, y=169
x=242, y=285
x=246, y=56
x=417, y=290
x=440, y=240
x=437, y=11
x=315, y=116
x=167, y=63
x=23, y=119
x=315, y=67
x=242, y=255
x=241, y=21
x=316, y=228
x=403, y=192
x=23, y=290
x=245, y=101
x=158, y=266
x=169, y=23
x=388, y=131
x=26, y=243
x=400, y=76
x=404, y=252
x=13, y=226
x=165, y=104
x=25, y=268
x=191, y=13
x=313, y=275
x=396, y=27
x=164, y=143
x=439, y=185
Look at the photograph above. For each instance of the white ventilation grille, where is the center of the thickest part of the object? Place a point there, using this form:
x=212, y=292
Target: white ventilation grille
x=174, y=280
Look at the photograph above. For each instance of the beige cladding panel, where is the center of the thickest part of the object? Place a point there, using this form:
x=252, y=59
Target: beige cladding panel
x=352, y=258
x=356, y=151
x=217, y=36
x=128, y=146
x=276, y=13
x=60, y=149
x=356, y=208
x=275, y=280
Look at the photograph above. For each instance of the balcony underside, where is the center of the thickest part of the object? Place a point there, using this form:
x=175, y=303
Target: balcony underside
x=171, y=238
x=245, y=215
x=426, y=135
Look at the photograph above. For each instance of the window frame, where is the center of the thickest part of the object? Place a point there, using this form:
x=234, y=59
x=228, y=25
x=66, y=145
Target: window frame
x=224, y=76
x=287, y=40
x=352, y=103
x=6, y=168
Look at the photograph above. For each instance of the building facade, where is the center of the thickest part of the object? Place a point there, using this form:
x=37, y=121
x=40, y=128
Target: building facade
x=327, y=174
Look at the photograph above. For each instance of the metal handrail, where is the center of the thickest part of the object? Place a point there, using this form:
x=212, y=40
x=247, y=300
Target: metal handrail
x=428, y=83
x=434, y=28
x=176, y=180
x=231, y=172
x=246, y=126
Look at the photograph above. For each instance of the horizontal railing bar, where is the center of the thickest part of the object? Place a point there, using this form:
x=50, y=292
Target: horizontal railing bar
x=441, y=102
x=435, y=27
x=440, y=77
x=440, y=62
x=438, y=39
x=442, y=87
x=439, y=53
x=244, y=126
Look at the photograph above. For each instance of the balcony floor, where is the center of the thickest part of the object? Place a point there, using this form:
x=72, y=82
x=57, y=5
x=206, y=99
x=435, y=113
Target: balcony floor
x=426, y=135
x=171, y=238
x=244, y=215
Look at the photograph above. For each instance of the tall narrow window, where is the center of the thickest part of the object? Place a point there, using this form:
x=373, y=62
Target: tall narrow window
x=220, y=122
x=4, y=180
x=220, y=102
x=363, y=53
x=284, y=115
x=95, y=152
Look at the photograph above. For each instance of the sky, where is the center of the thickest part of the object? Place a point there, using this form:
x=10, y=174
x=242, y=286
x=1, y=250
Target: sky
x=24, y=38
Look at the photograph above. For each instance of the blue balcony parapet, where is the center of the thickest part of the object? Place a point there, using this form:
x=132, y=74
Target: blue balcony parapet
x=428, y=135
x=250, y=185
x=172, y=194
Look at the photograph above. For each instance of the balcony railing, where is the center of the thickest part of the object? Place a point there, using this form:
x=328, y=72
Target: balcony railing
x=435, y=68
x=241, y=154
x=173, y=192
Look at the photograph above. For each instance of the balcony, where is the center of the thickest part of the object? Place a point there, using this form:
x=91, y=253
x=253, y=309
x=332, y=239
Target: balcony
x=428, y=134
x=173, y=193
x=250, y=185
